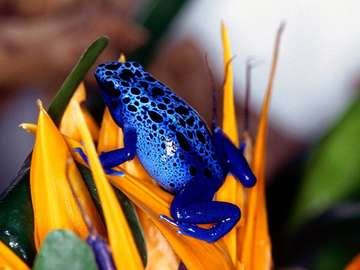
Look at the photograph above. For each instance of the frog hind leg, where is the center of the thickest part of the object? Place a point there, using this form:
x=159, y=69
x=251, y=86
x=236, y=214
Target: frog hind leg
x=233, y=158
x=116, y=157
x=193, y=205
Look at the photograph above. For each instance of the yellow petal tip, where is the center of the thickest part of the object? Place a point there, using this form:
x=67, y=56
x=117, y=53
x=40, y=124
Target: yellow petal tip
x=28, y=127
x=122, y=58
x=40, y=104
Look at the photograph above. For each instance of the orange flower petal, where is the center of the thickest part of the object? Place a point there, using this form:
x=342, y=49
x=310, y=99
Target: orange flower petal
x=67, y=125
x=256, y=249
x=53, y=203
x=9, y=260
x=32, y=128
x=231, y=191
x=122, y=244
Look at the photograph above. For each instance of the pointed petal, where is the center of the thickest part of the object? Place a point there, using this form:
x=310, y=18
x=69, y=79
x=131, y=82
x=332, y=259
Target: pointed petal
x=256, y=249
x=229, y=114
x=73, y=144
x=50, y=187
x=8, y=259
x=121, y=241
x=67, y=125
x=110, y=135
x=29, y=127
x=231, y=190
x=122, y=58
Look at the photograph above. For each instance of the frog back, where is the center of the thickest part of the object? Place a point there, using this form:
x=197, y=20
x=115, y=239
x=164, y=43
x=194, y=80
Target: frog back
x=173, y=143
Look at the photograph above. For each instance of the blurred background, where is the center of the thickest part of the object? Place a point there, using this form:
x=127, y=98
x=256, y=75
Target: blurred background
x=314, y=150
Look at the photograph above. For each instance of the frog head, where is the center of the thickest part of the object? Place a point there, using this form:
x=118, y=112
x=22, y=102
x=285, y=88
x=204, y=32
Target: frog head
x=116, y=78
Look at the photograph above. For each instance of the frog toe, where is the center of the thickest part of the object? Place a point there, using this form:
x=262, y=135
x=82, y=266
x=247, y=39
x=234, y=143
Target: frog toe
x=113, y=172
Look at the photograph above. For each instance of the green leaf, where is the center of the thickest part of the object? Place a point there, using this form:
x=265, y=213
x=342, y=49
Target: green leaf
x=63, y=96
x=16, y=215
x=332, y=173
x=127, y=207
x=62, y=249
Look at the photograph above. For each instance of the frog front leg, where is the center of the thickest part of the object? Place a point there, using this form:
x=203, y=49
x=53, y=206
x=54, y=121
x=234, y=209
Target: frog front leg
x=116, y=157
x=193, y=205
x=233, y=158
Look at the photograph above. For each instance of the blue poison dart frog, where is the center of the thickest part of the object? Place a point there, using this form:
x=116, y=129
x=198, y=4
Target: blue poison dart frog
x=175, y=147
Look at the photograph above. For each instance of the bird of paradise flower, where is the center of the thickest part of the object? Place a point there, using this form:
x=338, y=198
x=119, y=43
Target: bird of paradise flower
x=53, y=177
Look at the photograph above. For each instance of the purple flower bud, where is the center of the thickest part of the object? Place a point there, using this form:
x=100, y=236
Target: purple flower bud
x=102, y=252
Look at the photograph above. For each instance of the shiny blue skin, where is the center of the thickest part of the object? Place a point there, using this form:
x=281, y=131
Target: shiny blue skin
x=174, y=146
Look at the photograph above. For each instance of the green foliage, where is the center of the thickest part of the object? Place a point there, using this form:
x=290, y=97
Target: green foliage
x=64, y=250
x=332, y=173
x=16, y=216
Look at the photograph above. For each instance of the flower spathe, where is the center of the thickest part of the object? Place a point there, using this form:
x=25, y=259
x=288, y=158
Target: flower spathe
x=52, y=200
